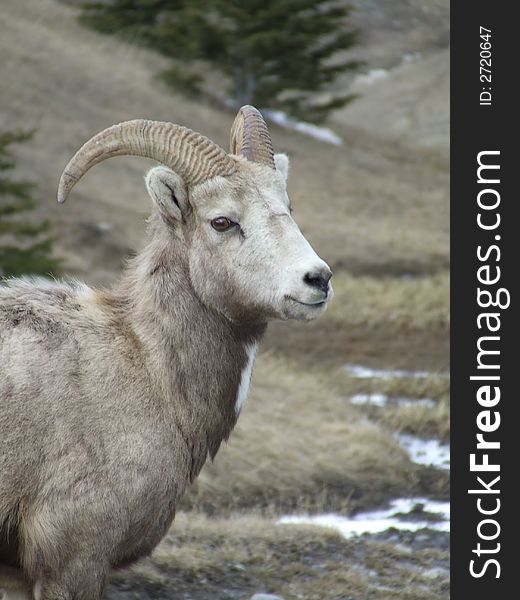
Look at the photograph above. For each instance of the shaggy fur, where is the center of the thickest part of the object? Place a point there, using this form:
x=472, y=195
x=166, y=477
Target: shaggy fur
x=111, y=402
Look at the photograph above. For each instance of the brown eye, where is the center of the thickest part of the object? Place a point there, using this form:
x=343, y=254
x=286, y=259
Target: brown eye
x=222, y=224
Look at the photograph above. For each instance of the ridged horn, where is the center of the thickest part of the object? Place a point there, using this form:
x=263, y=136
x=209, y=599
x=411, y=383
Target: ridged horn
x=193, y=156
x=250, y=137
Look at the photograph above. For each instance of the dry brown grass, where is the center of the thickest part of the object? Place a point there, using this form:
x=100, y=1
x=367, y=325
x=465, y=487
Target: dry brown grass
x=300, y=444
x=389, y=322
x=418, y=420
x=415, y=303
x=205, y=558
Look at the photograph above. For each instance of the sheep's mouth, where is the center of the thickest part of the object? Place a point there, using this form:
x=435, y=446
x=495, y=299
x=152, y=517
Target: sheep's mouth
x=309, y=304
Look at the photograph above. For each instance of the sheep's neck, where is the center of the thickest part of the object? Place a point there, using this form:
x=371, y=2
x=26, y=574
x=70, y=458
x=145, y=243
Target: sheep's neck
x=198, y=360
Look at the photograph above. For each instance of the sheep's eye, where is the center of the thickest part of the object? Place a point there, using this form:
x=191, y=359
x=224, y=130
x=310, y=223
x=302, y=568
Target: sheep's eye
x=222, y=224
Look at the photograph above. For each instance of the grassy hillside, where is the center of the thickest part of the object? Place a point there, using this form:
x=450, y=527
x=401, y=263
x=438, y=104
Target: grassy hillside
x=373, y=205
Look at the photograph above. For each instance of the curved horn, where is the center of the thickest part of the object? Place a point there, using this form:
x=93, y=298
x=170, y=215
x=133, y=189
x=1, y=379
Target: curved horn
x=194, y=157
x=250, y=137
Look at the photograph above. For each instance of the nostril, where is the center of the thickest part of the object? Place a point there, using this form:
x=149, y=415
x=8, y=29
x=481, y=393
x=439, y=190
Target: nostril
x=327, y=276
x=318, y=279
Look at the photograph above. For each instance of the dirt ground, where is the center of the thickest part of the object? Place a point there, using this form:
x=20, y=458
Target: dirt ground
x=376, y=208
x=231, y=564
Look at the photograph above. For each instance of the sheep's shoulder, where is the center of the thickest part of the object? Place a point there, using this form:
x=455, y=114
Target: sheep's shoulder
x=38, y=305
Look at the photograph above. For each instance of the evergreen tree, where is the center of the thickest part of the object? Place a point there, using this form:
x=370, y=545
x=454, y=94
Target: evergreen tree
x=275, y=54
x=25, y=247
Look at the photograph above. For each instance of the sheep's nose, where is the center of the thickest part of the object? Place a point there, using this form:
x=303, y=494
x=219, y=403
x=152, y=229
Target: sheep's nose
x=319, y=279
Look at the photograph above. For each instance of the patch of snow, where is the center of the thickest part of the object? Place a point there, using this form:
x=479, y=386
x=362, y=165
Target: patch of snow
x=435, y=572
x=426, y=452
x=411, y=57
x=426, y=402
x=319, y=133
x=104, y=227
x=382, y=400
x=380, y=520
x=373, y=399
x=362, y=372
x=366, y=79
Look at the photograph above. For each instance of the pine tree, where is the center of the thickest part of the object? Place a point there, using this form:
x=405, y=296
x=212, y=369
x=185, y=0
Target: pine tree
x=25, y=247
x=275, y=54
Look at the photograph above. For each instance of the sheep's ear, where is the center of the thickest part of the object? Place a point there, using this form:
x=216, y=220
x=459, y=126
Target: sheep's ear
x=281, y=162
x=169, y=192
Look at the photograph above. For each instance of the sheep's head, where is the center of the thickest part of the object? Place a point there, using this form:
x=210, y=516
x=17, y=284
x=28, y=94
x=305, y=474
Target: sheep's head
x=245, y=254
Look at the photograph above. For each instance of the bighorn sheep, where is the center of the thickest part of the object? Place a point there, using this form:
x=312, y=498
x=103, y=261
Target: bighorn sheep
x=111, y=402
